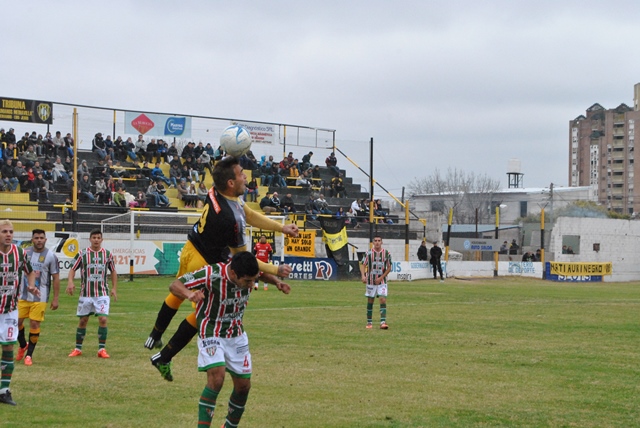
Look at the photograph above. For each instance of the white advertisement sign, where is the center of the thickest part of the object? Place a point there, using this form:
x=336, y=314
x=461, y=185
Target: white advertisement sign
x=260, y=132
x=410, y=271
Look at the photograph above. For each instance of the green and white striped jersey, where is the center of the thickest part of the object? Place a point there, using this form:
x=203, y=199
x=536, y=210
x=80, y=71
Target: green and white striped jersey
x=375, y=263
x=13, y=265
x=93, y=267
x=220, y=312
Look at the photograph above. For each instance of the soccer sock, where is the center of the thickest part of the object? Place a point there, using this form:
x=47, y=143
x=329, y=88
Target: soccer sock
x=180, y=339
x=236, y=408
x=206, y=406
x=163, y=320
x=369, y=312
x=34, y=335
x=21, y=339
x=102, y=337
x=7, y=369
x=383, y=312
x=80, y=333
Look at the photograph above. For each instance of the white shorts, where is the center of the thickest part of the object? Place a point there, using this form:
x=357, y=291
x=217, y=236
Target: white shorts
x=9, y=328
x=376, y=290
x=93, y=305
x=232, y=353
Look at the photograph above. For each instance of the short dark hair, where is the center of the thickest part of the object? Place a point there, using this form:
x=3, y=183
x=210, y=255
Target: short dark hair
x=38, y=232
x=95, y=232
x=244, y=264
x=223, y=172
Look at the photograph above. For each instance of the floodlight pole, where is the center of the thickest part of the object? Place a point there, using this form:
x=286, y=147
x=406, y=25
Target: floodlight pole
x=284, y=142
x=544, y=271
x=495, y=253
x=74, y=197
x=131, y=231
x=371, y=182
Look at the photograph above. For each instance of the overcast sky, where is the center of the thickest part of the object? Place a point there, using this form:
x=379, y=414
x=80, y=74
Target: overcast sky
x=460, y=84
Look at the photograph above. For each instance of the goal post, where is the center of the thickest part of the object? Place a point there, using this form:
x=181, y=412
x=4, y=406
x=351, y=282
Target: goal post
x=139, y=225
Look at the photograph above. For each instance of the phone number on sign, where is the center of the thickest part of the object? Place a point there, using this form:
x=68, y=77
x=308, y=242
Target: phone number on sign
x=124, y=260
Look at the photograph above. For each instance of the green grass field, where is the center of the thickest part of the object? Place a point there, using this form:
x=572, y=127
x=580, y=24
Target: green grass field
x=479, y=353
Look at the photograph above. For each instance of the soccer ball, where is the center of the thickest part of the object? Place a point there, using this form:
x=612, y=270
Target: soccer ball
x=235, y=140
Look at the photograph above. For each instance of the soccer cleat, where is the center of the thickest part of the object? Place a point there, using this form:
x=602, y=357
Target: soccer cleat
x=103, y=354
x=369, y=325
x=21, y=352
x=442, y=280
x=153, y=343
x=383, y=326
x=255, y=287
x=75, y=353
x=266, y=288
x=163, y=368
x=27, y=361
x=7, y=399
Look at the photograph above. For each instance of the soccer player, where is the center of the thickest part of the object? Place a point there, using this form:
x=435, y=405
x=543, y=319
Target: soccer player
x=47, y=275
x=262, y=251
x=219, y=231
x=93, y=262
x=221, y=292
x=14, y=264
x=374, y=268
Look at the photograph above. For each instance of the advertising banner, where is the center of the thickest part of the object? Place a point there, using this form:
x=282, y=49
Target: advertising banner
x=303, y=245
x=317, y=268
x=19, y=110
x=474, y=244
x=576, y=277
x=410, y=271
x=149, y=257
x=260, y=132
x=157, y=125
x=580, y=268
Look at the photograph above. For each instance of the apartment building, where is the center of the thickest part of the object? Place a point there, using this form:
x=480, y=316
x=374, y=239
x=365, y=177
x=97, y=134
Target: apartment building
x=601, y=154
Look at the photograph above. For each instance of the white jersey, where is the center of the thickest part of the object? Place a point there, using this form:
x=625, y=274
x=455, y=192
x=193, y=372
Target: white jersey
x=45, y=264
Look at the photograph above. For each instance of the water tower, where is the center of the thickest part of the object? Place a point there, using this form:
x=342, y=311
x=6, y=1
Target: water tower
x=514, y=174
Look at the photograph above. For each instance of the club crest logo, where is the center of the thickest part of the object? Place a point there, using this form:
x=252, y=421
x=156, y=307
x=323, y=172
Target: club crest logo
x=44, y=111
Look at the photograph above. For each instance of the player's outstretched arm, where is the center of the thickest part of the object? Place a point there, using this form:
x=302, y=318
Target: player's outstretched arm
x=272, y=279
x=290, y=229
x=284, y=270
x=261, y=221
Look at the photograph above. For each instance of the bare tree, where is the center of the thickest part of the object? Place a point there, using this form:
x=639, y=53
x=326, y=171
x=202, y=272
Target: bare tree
x=464, y=192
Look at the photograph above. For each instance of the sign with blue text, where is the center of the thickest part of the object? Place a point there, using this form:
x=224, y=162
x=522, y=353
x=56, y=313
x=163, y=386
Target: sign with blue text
x=474, y=244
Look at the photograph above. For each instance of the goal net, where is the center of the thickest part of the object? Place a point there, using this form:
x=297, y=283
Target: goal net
x=166, y=226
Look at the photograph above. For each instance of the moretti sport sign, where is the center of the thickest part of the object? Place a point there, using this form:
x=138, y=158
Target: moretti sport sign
x=19, y=110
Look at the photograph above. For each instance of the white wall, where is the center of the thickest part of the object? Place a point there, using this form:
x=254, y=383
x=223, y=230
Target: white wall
x=619, y=243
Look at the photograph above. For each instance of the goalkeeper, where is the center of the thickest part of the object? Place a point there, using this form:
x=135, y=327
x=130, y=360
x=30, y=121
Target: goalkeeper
x=219, y=231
